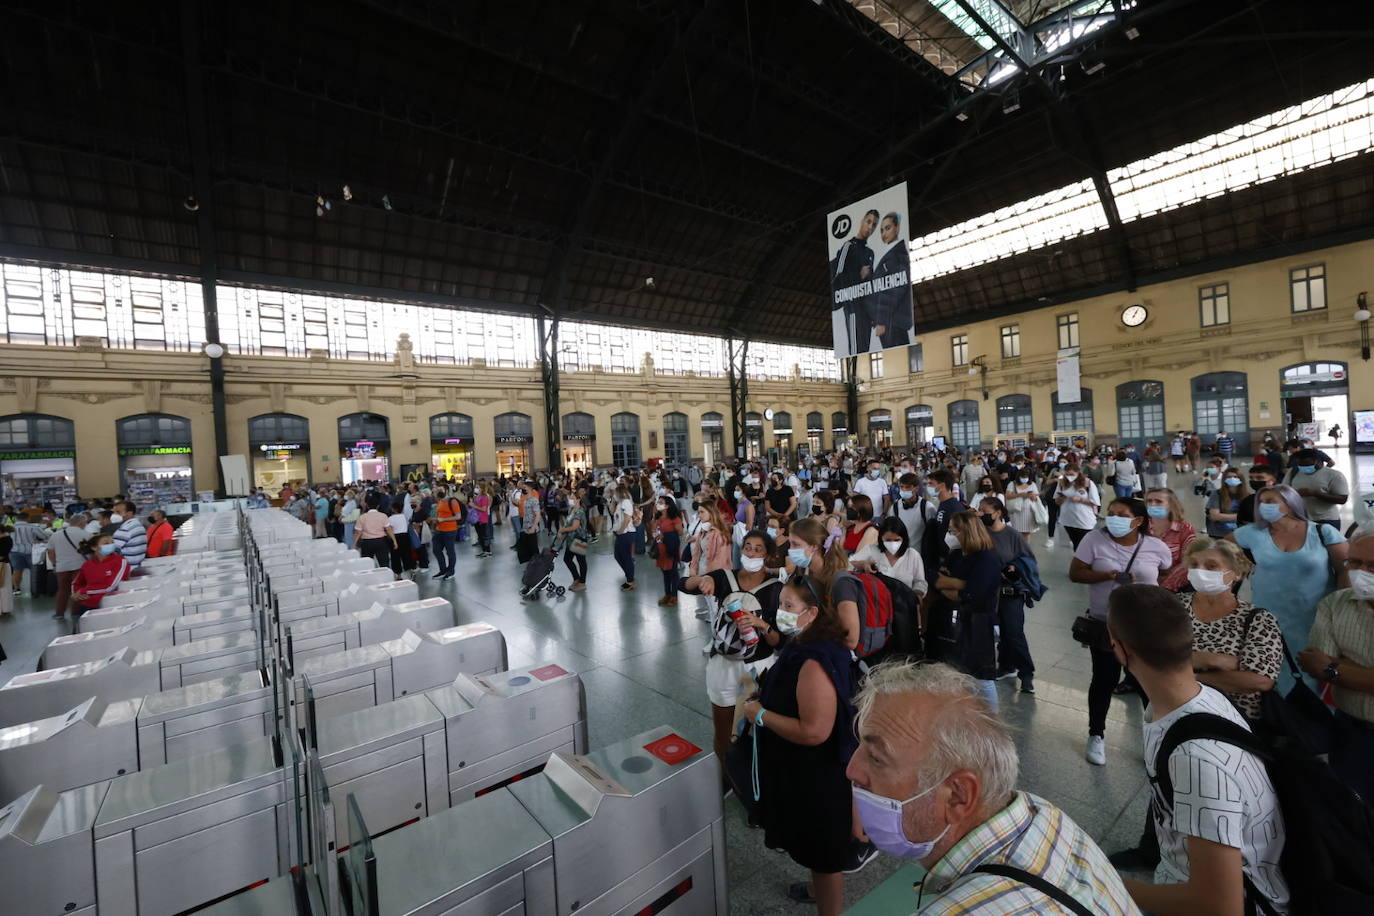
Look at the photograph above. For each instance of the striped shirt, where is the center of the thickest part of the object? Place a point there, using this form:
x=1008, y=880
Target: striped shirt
x=1035, y=836
x=1345, y=629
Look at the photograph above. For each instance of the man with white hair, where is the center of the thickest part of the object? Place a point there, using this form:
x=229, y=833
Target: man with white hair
x=935, y=780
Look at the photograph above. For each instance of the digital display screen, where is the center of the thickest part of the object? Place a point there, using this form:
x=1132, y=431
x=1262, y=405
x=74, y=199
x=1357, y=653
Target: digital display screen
x=1364, y=426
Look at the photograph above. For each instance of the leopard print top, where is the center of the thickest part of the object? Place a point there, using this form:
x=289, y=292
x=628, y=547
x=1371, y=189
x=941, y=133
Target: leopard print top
x=1260, y=651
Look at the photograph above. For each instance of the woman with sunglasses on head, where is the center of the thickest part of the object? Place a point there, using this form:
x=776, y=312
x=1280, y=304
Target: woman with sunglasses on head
x=1123, y=551
x=1168, y=524
x=803, y=718
x=1294, y=557
x=893, y=556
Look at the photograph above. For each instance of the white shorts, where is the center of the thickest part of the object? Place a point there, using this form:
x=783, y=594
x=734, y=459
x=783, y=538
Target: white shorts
x=723, y=676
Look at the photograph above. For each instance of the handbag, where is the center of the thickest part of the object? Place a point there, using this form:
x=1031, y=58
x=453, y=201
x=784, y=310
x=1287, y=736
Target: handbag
x=742, y=768
x=578, y=547
x=1090, y=632
x=1039, y=513
x=1298, y=717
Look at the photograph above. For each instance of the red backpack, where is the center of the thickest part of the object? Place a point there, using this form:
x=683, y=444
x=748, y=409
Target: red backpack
x=875, y=617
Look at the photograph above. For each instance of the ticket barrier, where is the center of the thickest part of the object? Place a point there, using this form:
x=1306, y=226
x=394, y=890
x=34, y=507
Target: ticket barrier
x=322, y=635
x=635, y=827
x=190, y=582
x=41, y=694
x=177, y=836
x=139, y=634
x=368, y=675
x=170, y=725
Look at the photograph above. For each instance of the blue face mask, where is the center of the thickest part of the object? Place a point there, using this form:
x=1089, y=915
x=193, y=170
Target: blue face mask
x=798, y=557
x=1270, y=512
x=1118, y=525
x=905, y=494
x=1307, y=469
x=106, y=549
x=1232, y=481
x=1158, y=511
x=931, y=491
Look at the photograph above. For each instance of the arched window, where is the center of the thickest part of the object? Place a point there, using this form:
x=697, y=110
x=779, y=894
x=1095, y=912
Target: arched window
x=36, y=431
x=364, y=427
x=782, y=422
x=839, y=423
x=625, y=440
x=815, y=423
x=445, y=426
x=1014, y=415
x=920, y=423
x=1140, y=411
x=712, y=437
x=579, y=427
x=1074, y=417
x=753, y=434
x=278, y=427
x=153, y=429
x=963, y=425
x=515, y=426
x=1221, y=404
x=675, y=442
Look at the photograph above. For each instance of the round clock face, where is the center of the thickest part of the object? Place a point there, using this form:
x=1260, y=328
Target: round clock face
x=768, y=414
x=1134, y=316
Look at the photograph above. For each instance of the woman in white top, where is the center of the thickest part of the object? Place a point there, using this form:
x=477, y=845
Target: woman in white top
x=403, y=554
x=1124, y=477
x=893, y=557
x=1078, y=503
x=1022, y=495
x=623, y=527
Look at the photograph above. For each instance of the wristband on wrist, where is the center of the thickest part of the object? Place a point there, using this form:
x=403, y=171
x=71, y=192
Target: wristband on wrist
x=758, y=718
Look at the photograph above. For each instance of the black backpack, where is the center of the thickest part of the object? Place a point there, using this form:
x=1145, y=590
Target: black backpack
x=1328, y=849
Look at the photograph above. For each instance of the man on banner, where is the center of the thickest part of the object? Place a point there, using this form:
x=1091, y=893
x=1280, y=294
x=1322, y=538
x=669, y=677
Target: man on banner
x=889, y=307
x=853, y=265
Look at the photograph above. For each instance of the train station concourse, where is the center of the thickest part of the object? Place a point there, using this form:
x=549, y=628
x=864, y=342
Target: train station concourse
x=687, y=457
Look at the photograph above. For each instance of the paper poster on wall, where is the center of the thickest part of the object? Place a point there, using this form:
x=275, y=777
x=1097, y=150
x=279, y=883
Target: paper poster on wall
x=1066, y=368
x=870, y=274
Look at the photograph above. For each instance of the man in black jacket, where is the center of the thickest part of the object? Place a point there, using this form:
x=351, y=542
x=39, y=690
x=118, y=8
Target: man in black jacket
x=853, y=264
x=889, y=308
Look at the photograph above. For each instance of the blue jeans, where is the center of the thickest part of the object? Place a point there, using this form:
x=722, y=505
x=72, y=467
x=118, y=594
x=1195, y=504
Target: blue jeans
x=625, y=553
x=1123, y=491
x=445, y=551
x=517, y=525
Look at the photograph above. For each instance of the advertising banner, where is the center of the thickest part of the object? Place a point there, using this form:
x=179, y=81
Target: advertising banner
x=1066, y=367
x=870, y=274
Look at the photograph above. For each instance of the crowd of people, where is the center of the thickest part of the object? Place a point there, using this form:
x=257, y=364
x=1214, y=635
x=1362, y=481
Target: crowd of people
x=823, y=582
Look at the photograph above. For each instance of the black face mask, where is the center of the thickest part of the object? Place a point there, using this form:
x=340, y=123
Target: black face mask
x=1258, y=484
x=817, y=510
x=989, y=520
x=851, y=514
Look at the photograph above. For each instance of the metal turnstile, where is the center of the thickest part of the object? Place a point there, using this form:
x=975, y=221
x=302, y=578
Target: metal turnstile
x=57, y=691
x=140, y=635
x=322, y=635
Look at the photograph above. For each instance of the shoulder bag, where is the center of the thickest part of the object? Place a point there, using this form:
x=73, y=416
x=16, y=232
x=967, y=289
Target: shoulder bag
x=1090, y=632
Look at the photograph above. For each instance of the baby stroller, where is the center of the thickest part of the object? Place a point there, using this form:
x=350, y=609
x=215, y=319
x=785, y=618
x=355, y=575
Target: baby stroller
x=539, y=575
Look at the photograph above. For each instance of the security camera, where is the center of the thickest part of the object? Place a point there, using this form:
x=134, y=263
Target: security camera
x=648, y=282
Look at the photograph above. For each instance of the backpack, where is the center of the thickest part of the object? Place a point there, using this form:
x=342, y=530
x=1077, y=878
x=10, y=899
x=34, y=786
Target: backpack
x=875, y=617
x=726, y=638
x=1328, y=849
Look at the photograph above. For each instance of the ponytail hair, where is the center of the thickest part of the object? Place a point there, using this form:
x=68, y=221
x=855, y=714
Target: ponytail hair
x=812, y=531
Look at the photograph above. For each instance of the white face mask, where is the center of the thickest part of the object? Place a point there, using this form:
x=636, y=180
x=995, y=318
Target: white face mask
x=1362, y=584
x=1208, y=581
x=892, y=546
x=951, y=542
x=787, y=622
x=116, y=518
x=751, y=564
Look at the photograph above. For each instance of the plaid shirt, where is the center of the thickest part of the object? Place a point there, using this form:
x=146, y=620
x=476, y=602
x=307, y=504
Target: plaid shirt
x=1033, y=835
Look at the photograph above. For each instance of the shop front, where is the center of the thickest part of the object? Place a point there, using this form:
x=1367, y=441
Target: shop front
x=579, y=442
x=880, y=428
x=155, y=460
x=815, y=432
x=37, y=460
x=364, y=447
x=1316, y=397
x=782, y=437
x=712, y=438
x=514, y=443
x=451, y=443
x=280, y=447
x=753, y=435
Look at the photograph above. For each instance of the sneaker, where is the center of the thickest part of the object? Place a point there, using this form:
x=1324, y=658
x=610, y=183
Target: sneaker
x=1096, y=751
x=861, y=853
x=1006, y=675
x=800, y=892
x=1049, y=542
x=1136, y=859
x=706, y=649
x=1124, y=688
x=1027, y=685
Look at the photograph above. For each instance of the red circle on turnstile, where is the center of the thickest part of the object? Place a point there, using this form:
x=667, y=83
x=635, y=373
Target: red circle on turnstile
x=672, y=749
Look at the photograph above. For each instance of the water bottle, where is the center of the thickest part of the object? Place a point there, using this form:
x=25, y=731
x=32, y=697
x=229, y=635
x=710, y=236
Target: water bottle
x=746, y=632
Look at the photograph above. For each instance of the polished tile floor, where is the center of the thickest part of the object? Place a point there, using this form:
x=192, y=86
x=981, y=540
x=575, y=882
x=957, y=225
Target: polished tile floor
x=642, y=667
